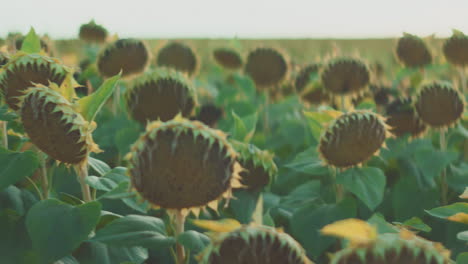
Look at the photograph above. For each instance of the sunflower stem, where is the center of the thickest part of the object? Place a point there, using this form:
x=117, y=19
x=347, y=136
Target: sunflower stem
x=5, y=134
x=257, y=216
x=44, y=178
x=179, y=229
x=338, y=187
x=82, y=173
x=35, y=188
x=343, y=107
x=116, y=102
x=463, y=80
x=443, y=179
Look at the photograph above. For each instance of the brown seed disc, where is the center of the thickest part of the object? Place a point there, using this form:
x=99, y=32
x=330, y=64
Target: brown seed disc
x=303, y=78
x=210, y=114
x=266, y=66
x=160, y=95
x=381, y=94
x=257, y=245
x=129, y=55
x=20, y=73
x=412, y=51
x=180, y=165
x=254, y=177
x=178, y=56
x=45, y=122
x=439, y=105
x=456, y=50
x=402, y=119
x=91, y=32
x=345, y=76
x=352, y=139
x=228, y=58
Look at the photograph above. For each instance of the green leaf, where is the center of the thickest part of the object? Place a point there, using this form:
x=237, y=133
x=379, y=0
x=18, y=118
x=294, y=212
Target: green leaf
x=31, y=43
x=307, y=221
x=15, y=166
x=416, y=223
x=244, y=128
x=462, y=258
x=6, y=115
x=90, y=105
x=135, y=230
x=368, y=184
x=383, y=226
x=100, y=253
x=99, y=166
x=445, y=212
x=56, y=228
x=463, y=235
x=308, y=162
x=194, y=241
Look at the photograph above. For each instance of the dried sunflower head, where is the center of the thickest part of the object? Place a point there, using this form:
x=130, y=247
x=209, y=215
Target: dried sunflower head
x=254, y=244
x=4, y=58
x=160, y=94
x=402, y=118
x=179, y=56
x=54, y=126
x=412, y=51
x=92, y=32
x=209, y=114
x=266, y=66
x=183, y=165
x=343, y=76
x=260, y=169
x=228, y=58
x=439, y=105
x=352, y=139
x=23, y=70
x=456, y=49
x=303, y=77
x=131, y=56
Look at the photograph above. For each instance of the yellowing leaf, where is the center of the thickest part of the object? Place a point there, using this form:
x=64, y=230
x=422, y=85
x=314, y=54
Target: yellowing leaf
x=225, y=225
x=355, y=230
x=67, y=88
x=459, y=217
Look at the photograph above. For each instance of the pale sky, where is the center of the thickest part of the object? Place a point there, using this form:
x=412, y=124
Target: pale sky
x=241, y=18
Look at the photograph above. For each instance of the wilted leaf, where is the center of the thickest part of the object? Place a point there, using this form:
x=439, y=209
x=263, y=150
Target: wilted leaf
x=224, y=225
x=355, y=230
x=457, y=212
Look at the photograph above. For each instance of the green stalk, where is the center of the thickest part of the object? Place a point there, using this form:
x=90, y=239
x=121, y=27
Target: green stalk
x=339, y=191
x=44, y=177
x=5, y=134
x=443, y=179
x=463, y=80
x=82, y=172
x=179, y=229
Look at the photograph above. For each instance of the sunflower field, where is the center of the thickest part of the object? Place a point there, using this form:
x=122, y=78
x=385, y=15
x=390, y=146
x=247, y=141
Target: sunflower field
x=128, y=151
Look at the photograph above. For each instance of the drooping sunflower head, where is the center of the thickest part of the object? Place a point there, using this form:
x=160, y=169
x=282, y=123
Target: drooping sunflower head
x=54, y=126
x=178, y=56
x=93, y=33
x=439, y=105
x=160, y=94
x=254, y=244
x=412, y=51
x=183, y=165
x=342, y=76
x=456, y=49
x=260, y=169
x=266, y=66
x=303, y=77
x=23, y=70
x=393, y=248
x=352, y=139
x=131, y=56
x=228, y=58
x=4, y=58
x=402, y=118
x=381, y=94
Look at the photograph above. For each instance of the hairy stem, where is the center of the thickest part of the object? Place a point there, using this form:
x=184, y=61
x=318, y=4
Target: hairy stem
x=179, y=229
x=443, y=179
x=82, y=173
x=5, y=134
x=44, y=178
